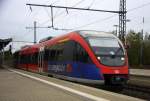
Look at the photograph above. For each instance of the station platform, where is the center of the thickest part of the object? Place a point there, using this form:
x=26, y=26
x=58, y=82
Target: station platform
x=140, y=72
x=14, y=87
x=19, y=85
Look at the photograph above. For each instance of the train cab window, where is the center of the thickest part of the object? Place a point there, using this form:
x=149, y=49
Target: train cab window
x=109, y=49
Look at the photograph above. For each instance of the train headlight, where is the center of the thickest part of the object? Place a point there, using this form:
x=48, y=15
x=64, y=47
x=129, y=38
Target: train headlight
x=99, y=58
x=122, y=58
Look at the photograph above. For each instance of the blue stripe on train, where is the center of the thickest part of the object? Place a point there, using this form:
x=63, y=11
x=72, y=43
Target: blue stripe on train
x=75, y=69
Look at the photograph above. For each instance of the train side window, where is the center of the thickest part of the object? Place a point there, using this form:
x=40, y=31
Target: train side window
x=26, y=59
x=61, y=52
x=46, y=54
x=81, y=54
x=23, y=59
x=31, y=58
x=59, y=55
x=20, y=59
x=69, y=48
x=68, y=51
x=51, y=53
x=34, y=58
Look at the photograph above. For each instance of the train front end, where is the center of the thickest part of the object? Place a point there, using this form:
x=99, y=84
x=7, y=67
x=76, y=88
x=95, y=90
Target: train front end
x=110, y=56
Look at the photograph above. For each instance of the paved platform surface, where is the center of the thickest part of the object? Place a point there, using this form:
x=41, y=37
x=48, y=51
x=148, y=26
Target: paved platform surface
x=140, y=72
x=14, y=87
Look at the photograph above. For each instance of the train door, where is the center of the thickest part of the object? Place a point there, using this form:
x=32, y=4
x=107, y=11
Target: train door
x=41, y=60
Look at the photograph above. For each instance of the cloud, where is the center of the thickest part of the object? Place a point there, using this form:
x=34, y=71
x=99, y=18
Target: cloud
x=15, y=16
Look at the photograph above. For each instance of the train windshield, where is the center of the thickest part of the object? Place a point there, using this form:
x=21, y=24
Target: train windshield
x=103, y=42
x=108, y=50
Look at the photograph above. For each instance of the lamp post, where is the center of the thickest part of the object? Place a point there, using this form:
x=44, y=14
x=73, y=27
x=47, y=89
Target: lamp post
x=116, y=29
x=141, y=48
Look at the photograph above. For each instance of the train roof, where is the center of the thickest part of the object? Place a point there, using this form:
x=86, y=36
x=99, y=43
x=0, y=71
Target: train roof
x=72, y=35
x=90, y=33
x=29, y=50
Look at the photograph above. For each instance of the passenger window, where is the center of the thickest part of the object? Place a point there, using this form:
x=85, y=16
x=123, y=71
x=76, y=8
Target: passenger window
x=69, y=48
x=82, y=55
x=68, y=51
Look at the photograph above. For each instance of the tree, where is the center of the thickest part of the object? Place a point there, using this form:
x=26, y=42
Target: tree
x=146, y=54
x=134, y=41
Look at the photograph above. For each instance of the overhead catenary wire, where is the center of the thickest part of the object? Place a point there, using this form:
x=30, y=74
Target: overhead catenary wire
x=55, y=16
x=24, y=20
x=71, y=6
x=22, y=41
x=74, y=8
x=91, y=4
x=46, y=11
x=42, y=27
x=141, y=23
x=58, y=15
x=97, y=21
x=26, y=34
x=15, y=42
x=65, y=29
x=88, y=23
x=61, y=13
x=110, y=17
x=138, y=7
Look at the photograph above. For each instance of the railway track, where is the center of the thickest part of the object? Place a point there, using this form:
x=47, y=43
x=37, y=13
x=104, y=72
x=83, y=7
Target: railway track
x=137, y=91
x=138, y=86
x=132, y=90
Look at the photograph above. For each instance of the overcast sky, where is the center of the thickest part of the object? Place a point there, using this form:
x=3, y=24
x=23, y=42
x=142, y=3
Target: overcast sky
x=15, y=16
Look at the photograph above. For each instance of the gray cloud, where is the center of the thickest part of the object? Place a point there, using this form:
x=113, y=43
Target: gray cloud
x=15, y=16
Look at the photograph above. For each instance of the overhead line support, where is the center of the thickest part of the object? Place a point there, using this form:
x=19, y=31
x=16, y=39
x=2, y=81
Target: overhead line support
x=74, y=8
x=122, y=21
